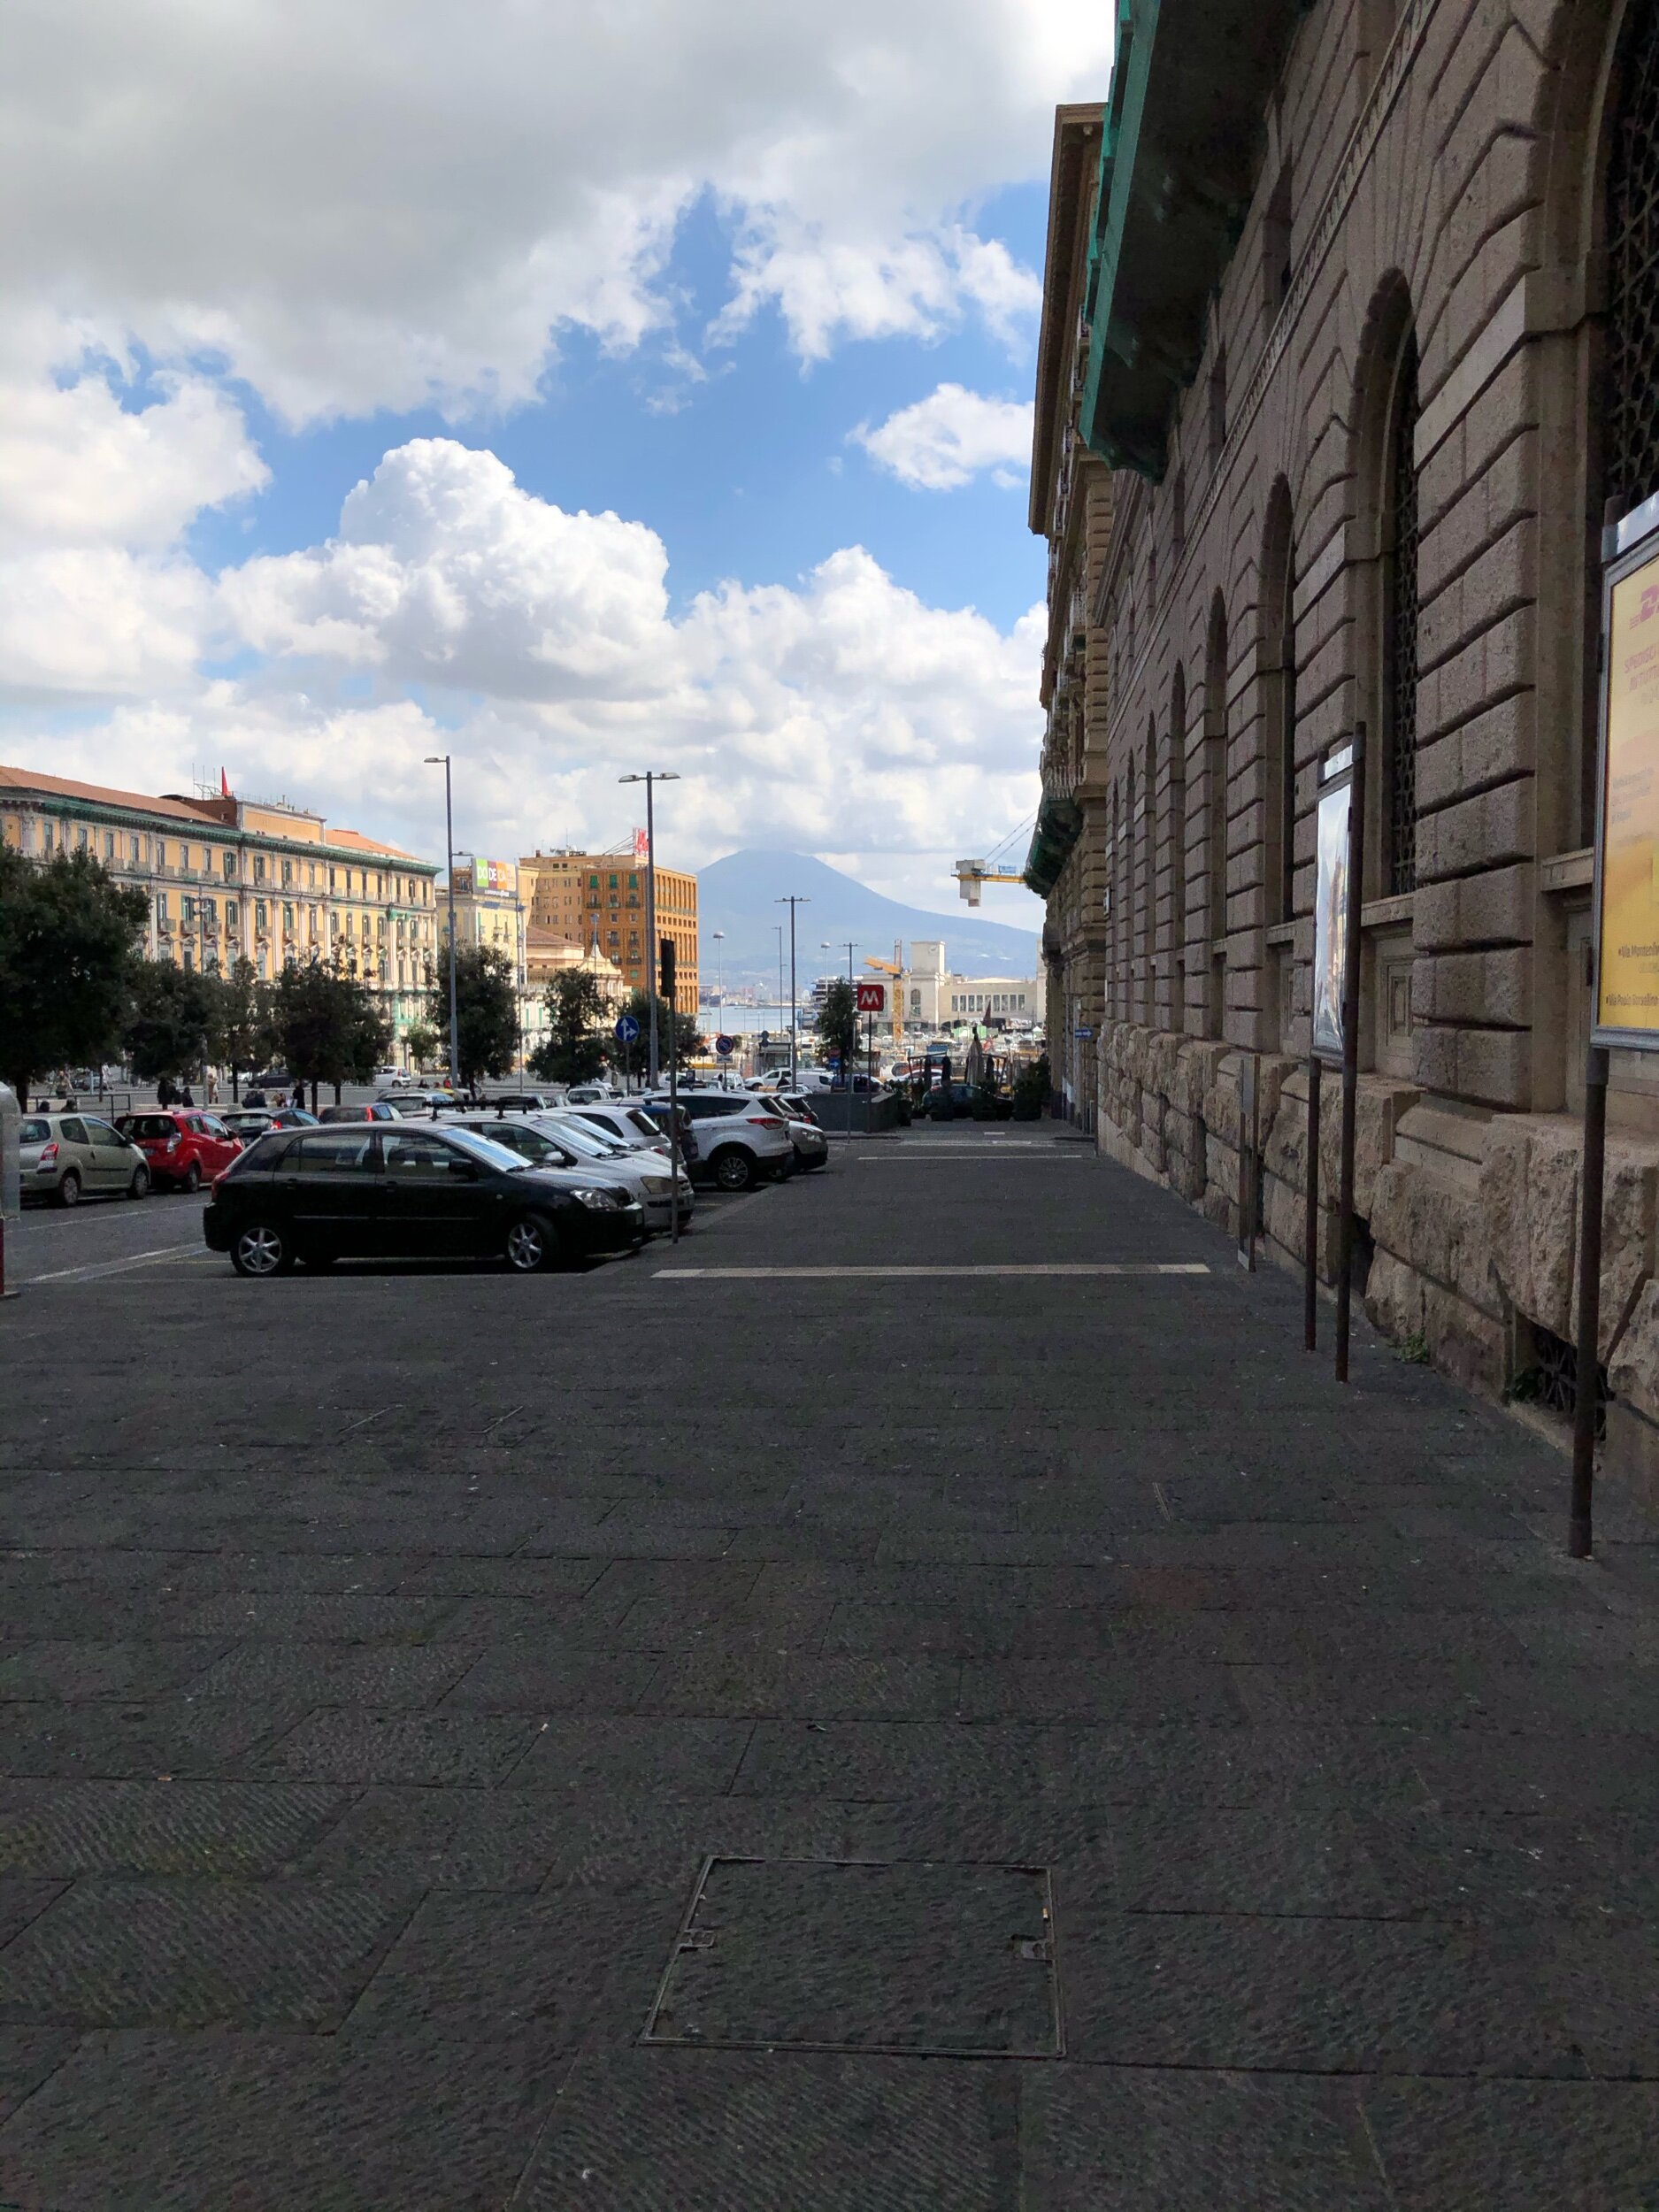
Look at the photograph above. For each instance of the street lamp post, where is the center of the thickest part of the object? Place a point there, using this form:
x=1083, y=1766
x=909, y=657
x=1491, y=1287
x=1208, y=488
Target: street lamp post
x=433, y=759
x=650, y=780
x=792, y=900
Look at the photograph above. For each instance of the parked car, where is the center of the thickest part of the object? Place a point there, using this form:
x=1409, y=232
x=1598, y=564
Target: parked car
x=740, y=1138
x=544, y=1142
x=657, y=1111
x=627, y=1123
x=377, y=1109
x=247, y=1122
x=587, y=1094
x=292, y=1118
x=366, y=1190
x=811, y=1146
x=518, y=1102
x=71, y=1156
x=183, y=1146
x=948, y=1101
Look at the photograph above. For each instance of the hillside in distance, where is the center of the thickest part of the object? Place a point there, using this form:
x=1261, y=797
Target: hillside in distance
x=739, y=896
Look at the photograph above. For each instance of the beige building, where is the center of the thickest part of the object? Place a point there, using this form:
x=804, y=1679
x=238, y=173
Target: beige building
x=1349, y=339
x=229, y=879
x=588, y=902
x=931, y=996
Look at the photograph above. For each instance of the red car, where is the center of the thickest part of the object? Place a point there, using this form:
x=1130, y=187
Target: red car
x=183, y=1146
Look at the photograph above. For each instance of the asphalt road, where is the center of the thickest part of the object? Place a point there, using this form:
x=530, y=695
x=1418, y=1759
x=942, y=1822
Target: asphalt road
x=924, y=1697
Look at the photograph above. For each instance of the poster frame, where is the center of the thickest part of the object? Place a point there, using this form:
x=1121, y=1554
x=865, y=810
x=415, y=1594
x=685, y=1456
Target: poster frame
x=1628, y=547
x=1336, y=779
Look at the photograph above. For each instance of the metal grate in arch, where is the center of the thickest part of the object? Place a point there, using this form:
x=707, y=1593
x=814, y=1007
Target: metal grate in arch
x=1401, y=790
x=1632, y=426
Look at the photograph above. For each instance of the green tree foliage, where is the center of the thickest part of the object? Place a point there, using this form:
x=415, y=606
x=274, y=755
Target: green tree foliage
x=635, y=1058
x=576, y=1046
x=66, y=933
x=1031, y=1090
x=171, y=1013
x=486, y=1010
x=423, y=1043
x=242, y=1036
x=837, y=1024
x=328, y=1027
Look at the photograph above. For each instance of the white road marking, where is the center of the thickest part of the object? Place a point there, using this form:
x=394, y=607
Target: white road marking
x=120, y=1267
x=835, y=1274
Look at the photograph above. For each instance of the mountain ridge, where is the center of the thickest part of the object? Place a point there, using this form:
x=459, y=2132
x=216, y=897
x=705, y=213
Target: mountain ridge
x=739, y=896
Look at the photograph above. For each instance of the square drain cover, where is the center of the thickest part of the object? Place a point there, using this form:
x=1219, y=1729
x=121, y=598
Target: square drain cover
x=837, y=1954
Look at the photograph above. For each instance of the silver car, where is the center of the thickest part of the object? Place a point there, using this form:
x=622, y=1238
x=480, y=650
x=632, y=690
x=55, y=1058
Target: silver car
x=542, y=1138
x=811, y=1146
x=71, y=1156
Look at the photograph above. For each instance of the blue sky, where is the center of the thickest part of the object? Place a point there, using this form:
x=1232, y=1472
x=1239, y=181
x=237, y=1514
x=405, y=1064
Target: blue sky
x=761, y=284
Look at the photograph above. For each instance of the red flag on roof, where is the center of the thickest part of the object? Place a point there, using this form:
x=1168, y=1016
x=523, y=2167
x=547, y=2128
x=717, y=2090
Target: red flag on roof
x=224, y=785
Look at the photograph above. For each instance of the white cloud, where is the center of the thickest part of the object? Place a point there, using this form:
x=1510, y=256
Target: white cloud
x=944, y=441
x=397, y=202
x=95, y=622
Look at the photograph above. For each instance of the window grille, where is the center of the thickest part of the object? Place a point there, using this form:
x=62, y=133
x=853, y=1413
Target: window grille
x=1402, y=637
x=1632, y=233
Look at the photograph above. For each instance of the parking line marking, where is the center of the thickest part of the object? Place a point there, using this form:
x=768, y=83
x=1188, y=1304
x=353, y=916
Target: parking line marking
x=117, y=1267
x=834, y=1274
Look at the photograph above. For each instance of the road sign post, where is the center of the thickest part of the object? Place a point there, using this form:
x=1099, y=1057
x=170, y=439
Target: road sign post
x=666, y=965
x=11, y=1172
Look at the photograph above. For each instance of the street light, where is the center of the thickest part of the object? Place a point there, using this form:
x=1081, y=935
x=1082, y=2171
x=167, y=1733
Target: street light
x=650, y=778
x=792, y=900
x=433, y=761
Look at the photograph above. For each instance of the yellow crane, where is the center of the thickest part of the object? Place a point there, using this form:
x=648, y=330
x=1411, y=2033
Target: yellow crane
x=973, y=875
x=894, y=968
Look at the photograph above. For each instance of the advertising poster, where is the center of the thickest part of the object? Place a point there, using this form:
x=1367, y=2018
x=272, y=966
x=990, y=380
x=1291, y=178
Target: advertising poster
x=1330, y=922
x=1627, y=961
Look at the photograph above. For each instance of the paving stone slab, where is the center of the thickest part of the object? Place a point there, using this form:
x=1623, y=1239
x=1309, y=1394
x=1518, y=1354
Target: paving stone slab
x=120, y=1742
x=118, y=1951
x=361, y=1747
x=345, y=1617
x=392, y=1674
x=29, y=2056
x=182, y=1827
x=1528, y=2147
x=759, y=1685
x=21, y=1898
x=658, y=2131
x=540, y=1675
x=890, y=1759
x=641, y=1751
x=1077, y=1686
x=1135, y=2139
x=273, y=2124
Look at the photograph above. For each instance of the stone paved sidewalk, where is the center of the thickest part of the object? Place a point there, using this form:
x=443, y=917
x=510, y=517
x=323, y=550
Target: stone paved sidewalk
x=1008, y=1743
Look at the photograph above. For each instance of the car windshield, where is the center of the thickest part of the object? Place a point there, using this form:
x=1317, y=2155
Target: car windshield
x=583, y=1137
x=516, y=1136
x=147, y=1126
x=483, y=1148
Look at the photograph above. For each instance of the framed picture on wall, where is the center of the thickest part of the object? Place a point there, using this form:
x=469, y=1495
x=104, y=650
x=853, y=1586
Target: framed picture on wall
x=1329, y=913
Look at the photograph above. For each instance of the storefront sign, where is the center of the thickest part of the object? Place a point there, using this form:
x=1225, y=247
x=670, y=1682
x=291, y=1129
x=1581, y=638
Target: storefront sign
x=1627, y=823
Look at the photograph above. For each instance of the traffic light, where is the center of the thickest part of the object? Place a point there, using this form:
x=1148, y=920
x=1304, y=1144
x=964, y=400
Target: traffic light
x=666, y=963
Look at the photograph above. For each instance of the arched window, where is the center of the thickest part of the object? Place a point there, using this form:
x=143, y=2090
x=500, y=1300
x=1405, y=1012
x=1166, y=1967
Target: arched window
x=1215, y=855
x=1278, y=708
x=1399, y=630
x=1148, y=900
x=1631, y=415
x=1175, y=850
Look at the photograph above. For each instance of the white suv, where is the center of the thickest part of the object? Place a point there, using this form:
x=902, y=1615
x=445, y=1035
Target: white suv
x=740, y=1138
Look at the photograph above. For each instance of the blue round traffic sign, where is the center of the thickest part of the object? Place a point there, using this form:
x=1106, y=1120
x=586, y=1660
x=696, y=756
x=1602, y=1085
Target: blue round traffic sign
x=726, y=1047
x=627, y=1029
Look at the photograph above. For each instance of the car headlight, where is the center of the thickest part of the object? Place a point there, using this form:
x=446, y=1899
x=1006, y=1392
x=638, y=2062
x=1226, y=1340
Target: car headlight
x=657, y=1186
x=603, y=1201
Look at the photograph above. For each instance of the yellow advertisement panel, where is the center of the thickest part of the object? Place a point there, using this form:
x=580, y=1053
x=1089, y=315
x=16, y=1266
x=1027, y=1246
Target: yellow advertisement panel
x=1627, y=963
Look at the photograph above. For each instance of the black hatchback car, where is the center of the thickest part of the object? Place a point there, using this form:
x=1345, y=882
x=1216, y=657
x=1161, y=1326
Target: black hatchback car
x=365, y=1190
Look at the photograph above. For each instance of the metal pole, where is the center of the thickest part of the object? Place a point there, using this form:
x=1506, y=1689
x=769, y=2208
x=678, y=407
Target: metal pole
x=674, y=1093
x=1310, y=1231
x=652, y=1063
x=1586, y=1391
x=795, y=1005
x=449, y=838
x=1350, y=1048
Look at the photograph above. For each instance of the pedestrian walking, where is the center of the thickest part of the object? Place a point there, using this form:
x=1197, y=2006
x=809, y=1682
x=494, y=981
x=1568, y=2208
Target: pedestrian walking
x=185, y=1098
x=299, y=1095
x=212, y=1089
x=165, y=1092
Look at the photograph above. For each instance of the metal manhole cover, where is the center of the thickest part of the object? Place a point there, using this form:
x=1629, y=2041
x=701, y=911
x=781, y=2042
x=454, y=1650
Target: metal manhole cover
x=864, y=1956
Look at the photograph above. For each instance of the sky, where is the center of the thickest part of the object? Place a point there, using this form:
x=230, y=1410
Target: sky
x=574, y=390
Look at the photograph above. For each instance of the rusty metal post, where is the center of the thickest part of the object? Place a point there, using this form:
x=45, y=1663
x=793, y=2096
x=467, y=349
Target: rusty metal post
x=1584, y=1409
x=1351, y=953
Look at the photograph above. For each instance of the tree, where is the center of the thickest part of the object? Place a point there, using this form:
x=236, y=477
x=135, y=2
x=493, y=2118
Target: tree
x=240, y=1036
x=169, y=1015
x=486, y=1008
x=635, y=1058
x=66, y=933
x=576, y=1046
x=328, y=1027
x=837, y=1024
x=421, y=1040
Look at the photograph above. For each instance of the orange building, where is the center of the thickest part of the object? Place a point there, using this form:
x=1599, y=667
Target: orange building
x=586, y=901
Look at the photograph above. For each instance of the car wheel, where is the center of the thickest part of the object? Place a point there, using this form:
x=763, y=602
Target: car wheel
x=531, y=1245
x=732, y=1169
x=260, y=1249
x=139, y=1187
x=192, y=1182
x=69, y=1189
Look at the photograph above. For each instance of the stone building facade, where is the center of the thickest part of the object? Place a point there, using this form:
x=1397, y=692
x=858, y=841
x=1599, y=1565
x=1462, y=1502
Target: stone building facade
x=1351, y=334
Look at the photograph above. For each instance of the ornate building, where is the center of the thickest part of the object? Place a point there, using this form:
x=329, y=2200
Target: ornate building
x=1351, y=331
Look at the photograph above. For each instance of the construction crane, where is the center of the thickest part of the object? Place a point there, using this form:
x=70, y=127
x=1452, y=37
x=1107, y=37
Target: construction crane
x=973, y=875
